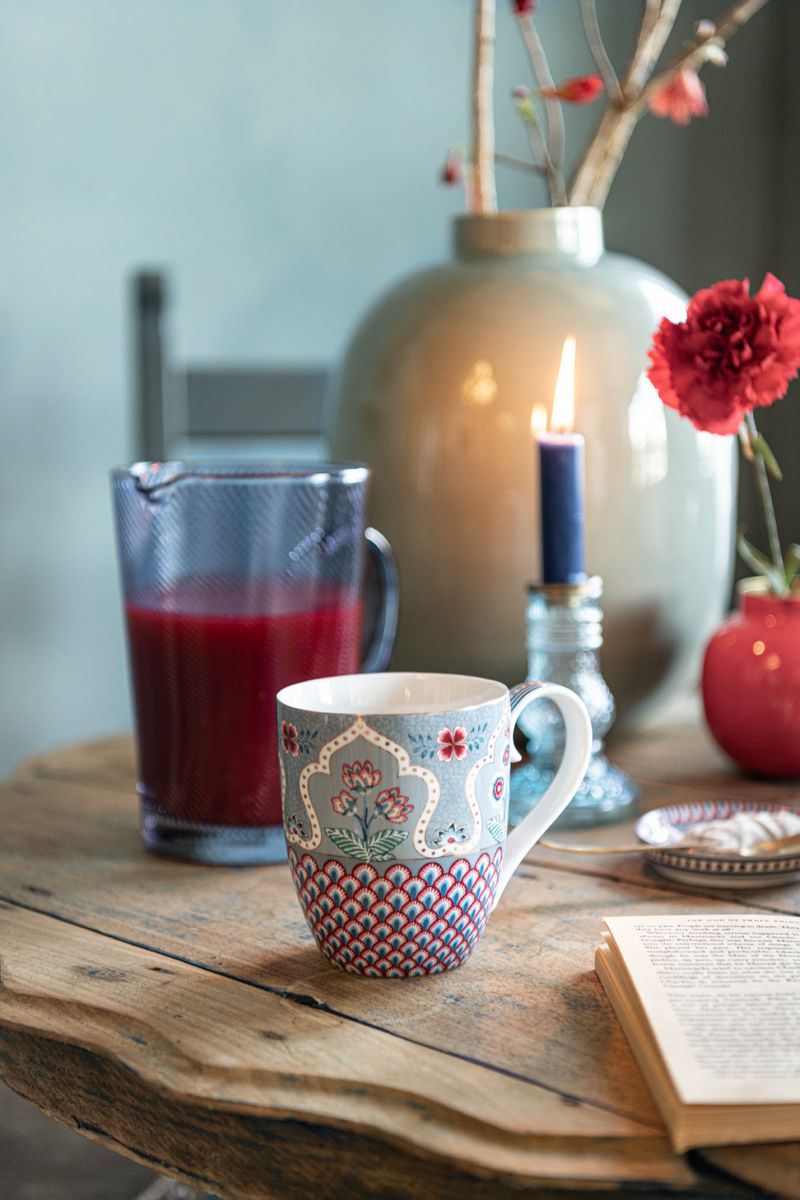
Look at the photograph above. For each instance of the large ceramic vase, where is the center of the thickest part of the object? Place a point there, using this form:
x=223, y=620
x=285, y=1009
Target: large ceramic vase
x=436, y=391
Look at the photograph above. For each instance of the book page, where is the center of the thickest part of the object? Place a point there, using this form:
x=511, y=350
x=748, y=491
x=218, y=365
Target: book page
x=722, y=997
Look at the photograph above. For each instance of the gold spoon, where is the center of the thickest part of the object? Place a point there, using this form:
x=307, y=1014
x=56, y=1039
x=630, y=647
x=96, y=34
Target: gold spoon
x=784, y=845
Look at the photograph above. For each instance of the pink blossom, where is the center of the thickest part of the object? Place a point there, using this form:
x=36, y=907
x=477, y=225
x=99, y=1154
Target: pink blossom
x=680, y=98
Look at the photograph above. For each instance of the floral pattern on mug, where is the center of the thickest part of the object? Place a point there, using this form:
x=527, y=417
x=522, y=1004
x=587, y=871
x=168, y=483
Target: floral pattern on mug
x=394, y=807
x=344, y=804
x=296, y=741
x=364, y=842
x=289, y=739
x=360, y=776
x=452, y=743
x=449, y=745
x=451, y=837
x=296, y=826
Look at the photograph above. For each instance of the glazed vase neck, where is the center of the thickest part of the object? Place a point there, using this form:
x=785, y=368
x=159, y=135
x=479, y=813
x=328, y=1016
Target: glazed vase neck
x=572, y=234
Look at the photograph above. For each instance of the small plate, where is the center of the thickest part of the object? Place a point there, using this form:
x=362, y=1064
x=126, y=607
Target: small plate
x=701, y=867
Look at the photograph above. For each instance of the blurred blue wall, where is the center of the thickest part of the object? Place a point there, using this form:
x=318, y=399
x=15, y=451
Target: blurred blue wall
x=281, y=161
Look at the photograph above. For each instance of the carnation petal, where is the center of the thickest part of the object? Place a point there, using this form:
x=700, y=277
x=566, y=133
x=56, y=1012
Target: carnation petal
x=771, y=286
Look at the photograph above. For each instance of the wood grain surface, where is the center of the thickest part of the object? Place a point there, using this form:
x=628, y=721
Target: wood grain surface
x=182, y=1014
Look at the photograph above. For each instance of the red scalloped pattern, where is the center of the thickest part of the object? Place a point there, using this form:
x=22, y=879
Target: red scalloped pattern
x=397, y=924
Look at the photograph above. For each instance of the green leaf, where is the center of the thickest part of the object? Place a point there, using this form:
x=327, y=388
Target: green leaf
x=349, y=843
x=762, y=566
x=763, y=451
x=381, y=845
x=497, y=829
x=791, y=562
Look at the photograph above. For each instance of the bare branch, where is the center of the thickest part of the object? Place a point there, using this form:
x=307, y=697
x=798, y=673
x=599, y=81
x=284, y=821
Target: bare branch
x=519, y=164
x=599, y=53
x=484, y=192
x=595, y=172
x=657, y=24
x=542, y=159
x=553, y=111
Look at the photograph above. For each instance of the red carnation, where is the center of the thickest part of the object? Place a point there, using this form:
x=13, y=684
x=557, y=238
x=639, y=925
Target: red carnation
x=733, y=353
x=583, y=89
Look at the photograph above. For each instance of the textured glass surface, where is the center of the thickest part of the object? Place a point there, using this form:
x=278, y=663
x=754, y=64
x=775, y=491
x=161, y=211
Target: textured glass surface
x=564, y=635
x=238, y=579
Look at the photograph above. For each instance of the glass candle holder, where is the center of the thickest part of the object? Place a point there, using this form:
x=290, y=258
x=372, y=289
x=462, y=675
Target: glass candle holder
x=564, y=634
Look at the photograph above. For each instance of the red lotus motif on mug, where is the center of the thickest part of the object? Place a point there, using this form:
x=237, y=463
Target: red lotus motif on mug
x=396, y=924
x=344, y=804
x=393, y=807
x=452, y=743
x=360, y=776
x=289, y=739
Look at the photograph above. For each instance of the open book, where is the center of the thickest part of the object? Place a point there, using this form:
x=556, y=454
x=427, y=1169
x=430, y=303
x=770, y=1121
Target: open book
x=711, y=1007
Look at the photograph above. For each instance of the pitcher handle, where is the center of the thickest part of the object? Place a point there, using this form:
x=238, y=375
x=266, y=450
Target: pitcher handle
x=380, y=650
x=567, y=779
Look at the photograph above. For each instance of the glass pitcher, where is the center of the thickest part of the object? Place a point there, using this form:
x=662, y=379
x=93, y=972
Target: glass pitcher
x=237, y=580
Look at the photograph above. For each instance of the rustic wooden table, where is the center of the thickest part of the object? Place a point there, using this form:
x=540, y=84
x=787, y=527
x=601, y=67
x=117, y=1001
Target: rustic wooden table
x=182, y=1015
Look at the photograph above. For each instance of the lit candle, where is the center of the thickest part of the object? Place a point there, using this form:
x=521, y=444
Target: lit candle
x=561, y=480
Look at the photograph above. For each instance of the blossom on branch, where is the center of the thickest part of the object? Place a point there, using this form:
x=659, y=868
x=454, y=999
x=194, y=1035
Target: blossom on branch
x=452, y=170
x=680, y=98
x=733, y=353
x=524, y=8
x=582, y=89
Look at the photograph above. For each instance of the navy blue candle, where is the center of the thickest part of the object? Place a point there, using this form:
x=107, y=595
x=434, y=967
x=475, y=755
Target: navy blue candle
x=561, y=487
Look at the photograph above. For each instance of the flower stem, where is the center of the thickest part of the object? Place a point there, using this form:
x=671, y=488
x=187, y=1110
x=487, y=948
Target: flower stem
x=765, y=494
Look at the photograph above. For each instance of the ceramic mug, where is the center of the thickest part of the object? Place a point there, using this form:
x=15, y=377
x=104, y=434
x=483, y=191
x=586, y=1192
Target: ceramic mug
x=395, y=807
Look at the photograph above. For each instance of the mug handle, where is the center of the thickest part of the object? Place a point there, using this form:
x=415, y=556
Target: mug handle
x=568, y=777
x=380, y=649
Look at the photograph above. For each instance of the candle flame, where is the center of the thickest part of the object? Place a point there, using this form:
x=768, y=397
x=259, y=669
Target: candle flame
x=538, y=419
x=563, y=416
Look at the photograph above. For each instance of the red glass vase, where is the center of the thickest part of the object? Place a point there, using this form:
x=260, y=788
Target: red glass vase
x=751, y=682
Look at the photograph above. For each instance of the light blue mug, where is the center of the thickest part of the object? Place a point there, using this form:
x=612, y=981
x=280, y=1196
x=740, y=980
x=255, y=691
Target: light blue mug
x=395, y=807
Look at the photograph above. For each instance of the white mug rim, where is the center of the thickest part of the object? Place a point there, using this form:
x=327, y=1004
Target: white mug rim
x=305, y=695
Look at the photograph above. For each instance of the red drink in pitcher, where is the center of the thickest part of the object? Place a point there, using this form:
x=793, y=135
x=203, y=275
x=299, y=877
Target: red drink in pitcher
x=204, y=687
x=238, y=579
